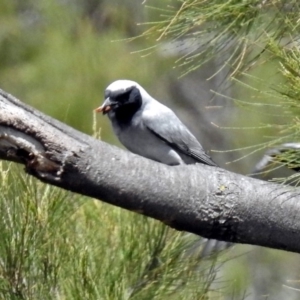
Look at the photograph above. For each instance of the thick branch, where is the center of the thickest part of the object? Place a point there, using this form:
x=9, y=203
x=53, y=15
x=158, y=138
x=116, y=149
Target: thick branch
x=208, y=201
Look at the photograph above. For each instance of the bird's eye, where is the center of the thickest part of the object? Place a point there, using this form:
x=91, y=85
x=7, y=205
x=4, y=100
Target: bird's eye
x=124, y=96
x=128, y=90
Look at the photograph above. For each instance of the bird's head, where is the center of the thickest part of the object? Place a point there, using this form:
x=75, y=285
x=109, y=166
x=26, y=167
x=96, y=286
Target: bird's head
x=123, y=98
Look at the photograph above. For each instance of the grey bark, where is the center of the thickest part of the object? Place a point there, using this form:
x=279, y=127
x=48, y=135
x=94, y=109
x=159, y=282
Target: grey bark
x=207, y=201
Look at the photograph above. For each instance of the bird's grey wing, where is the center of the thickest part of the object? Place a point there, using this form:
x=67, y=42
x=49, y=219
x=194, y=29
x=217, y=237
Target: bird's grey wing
x=167, y=126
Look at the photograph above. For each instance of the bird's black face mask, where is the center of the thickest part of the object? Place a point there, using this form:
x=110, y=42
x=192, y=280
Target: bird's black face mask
x=124, y=103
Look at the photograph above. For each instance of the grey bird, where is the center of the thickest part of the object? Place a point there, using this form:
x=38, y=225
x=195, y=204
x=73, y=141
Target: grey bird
x=148, y=128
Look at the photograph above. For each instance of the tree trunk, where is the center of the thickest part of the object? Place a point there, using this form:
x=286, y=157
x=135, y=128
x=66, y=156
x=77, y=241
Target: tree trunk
x=207, y=201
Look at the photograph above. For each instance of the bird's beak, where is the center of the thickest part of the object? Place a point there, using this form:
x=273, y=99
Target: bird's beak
x=105, y=107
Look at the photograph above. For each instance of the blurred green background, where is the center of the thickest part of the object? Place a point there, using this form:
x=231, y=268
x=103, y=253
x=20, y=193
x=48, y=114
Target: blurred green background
x=59, y=56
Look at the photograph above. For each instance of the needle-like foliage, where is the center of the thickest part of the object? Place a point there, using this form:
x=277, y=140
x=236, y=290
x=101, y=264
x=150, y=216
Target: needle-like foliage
x=238, y=31
x=57, y=245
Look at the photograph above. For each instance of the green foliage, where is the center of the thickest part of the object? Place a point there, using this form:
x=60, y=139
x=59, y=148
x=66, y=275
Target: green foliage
x=272, y=90
x=237, y=30
x=34, y=240
x=57, y=245
x=54, y=244
x=56, y=56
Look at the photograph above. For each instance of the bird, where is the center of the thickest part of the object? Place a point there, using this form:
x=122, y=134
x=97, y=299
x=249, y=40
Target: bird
x=148, y=128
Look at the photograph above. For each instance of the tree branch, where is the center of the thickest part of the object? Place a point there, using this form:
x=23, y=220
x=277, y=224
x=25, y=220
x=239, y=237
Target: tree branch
x=204, y=200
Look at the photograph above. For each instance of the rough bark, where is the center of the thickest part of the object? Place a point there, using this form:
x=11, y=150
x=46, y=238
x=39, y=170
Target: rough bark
x=207, y=201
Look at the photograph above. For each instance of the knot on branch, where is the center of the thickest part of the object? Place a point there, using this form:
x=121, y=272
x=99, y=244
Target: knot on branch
x=22, y=148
